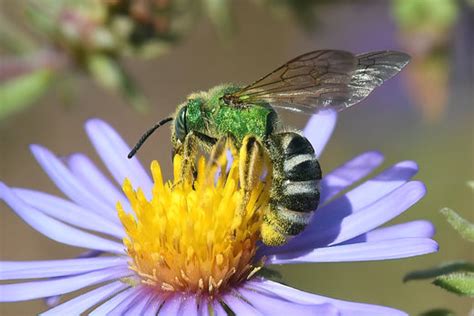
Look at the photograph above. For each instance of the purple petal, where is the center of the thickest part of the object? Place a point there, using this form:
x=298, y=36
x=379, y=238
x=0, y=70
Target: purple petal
x=70, y=185
x=365, y=251
x=126, y=306
x=239, y=306
x=51, y=301
x=217, y=308
x=189, y=306
x=88, y=173
x=203, y=308
x=137, y=307
x=69, y=212
x=414, y=229
x=326, y=231
x=11, y=270
x=333, y=216
x=376, y=214
x=113, y=151
x=89, y=254
x=345, y=308
x=171, y=306
x=38, y=289
x=80, y=304
x=349, y=173
x=107, y=307
x=54, y=229
x=271, y=304
x=153, y=305
x=319, y=129
x=371, y=190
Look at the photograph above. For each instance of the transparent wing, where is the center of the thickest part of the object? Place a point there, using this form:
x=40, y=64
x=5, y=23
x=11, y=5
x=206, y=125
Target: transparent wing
x=372, y=70
x=322, y=79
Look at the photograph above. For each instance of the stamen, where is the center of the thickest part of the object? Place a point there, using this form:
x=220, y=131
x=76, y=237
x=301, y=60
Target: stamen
x=194, y=235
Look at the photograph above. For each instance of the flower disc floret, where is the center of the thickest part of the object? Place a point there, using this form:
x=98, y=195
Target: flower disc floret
x=197, y=236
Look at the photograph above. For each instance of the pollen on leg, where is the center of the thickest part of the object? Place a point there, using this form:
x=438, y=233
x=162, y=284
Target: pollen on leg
x=194, y=235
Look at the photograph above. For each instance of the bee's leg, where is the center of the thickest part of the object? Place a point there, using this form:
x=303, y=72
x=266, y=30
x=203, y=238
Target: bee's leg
x=189, y=141
x=206, y=141
x=252, y=162
x=218, y=151
x=188, y=150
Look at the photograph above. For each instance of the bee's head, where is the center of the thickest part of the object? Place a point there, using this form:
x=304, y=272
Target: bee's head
x=180, y=124
x=188, y=117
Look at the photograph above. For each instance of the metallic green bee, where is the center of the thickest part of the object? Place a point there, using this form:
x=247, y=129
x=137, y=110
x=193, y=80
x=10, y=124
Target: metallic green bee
x=324, y=79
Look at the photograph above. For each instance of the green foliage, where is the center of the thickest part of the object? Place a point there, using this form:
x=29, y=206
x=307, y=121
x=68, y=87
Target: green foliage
x=443, y=269
x=303, y=12
x=109, y=73
x=462, y=226
x=458, y=283
x=12, y=39
x=20, y=92
x=220, y=14
x=106, y=71
x=438, y=14
x=471, y=184
x=456, y=277
x=270, y=274
x=438, y=312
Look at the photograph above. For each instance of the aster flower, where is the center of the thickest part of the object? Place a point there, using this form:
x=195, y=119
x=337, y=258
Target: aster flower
x=186, y=249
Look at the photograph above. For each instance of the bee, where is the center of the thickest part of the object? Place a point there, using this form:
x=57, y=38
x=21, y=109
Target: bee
x=322, y=79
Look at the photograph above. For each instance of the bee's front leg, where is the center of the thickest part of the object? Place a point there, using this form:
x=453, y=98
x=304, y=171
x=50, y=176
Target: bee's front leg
x=188, y=150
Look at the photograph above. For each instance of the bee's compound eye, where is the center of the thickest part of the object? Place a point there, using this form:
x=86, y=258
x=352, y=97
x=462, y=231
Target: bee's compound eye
x=181, y=129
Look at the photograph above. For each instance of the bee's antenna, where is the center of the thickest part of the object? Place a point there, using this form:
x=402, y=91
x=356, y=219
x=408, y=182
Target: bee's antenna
x=146, y=135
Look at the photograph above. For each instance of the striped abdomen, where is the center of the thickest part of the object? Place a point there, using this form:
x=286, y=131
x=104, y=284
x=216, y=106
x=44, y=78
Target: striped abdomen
x=295, y=187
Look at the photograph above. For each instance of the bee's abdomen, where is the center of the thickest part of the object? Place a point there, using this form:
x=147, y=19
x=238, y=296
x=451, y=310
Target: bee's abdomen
x=296, y=176
x=299, y=196
x=301, y=167
x=296, y=172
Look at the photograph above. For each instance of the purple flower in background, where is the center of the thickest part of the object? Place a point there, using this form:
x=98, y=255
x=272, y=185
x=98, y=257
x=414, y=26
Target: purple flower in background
x=165, y=271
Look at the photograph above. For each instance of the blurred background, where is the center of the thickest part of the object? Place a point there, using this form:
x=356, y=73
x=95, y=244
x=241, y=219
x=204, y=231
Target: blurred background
x=132, y=62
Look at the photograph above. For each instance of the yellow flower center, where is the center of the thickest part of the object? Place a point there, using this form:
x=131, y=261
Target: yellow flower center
x=197, y=236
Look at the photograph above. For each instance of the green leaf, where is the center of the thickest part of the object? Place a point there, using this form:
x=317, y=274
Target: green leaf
x=110, y=74
x=458, y=283
x=18, y=93
x=464, y=228
x=220, y=14
x=105, y=70
x=443, y=269
x=438, y=312
x=416, y=14
x=270, y=274
x=13, y=39
x=471, y=184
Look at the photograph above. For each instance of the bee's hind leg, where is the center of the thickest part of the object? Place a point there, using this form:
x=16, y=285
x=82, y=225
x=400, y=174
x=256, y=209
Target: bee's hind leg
x=251, y=158
x=253, y=161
